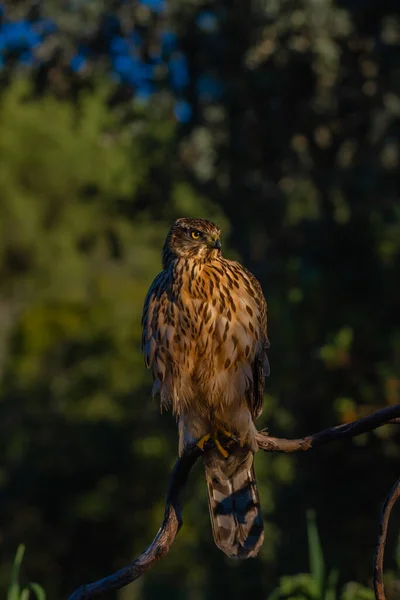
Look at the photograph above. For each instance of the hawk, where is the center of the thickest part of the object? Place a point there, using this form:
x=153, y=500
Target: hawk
x=205, y=341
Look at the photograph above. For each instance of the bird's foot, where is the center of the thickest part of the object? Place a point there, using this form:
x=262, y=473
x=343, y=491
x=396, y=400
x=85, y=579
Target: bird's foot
x=215, y=439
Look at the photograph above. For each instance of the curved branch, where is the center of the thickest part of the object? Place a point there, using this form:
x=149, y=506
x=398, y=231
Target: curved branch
x=173, y=508
x=171, y=524
x=390, y=501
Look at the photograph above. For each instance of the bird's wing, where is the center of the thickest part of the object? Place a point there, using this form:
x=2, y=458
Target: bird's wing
x=158, y=331
x=260, y=365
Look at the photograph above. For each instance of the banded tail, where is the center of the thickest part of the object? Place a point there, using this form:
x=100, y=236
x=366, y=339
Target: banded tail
x=234, y=503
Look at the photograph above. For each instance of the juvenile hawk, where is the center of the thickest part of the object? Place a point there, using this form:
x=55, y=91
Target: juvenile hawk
x=205, y=341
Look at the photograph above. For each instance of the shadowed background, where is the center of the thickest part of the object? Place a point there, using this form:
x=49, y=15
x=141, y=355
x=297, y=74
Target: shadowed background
x=278, y=119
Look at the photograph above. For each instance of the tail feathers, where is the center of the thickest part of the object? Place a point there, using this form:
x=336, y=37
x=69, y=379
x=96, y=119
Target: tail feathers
x=234, y=503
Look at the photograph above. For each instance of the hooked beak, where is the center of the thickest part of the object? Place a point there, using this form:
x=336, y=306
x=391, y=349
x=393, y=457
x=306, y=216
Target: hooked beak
x=215, y=242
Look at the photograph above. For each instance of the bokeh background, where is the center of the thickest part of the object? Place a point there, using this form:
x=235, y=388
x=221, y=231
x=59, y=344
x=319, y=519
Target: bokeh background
x=278, y=119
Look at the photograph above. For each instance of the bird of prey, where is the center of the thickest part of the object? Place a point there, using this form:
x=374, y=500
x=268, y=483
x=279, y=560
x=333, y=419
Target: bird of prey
x=205, y=341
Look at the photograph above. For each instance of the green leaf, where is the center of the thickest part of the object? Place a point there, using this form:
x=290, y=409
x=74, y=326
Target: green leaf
x=25, y=594
x=316, y=558
x=355, y=591
x=332, y=585
x=14, y=589
x=38, y=591
x=300, y=587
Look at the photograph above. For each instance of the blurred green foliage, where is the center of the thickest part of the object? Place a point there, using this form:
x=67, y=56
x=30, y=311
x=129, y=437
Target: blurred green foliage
x=298, y=162
x=15, y=591
x=317, y=585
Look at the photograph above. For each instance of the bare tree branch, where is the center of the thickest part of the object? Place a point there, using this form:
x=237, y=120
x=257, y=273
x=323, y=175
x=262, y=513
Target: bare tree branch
x=173, y=508
x=381, y=543
x=386, y=416
x=171, y=524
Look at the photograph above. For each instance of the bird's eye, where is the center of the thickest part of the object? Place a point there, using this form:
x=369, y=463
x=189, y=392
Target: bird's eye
x=195, y=235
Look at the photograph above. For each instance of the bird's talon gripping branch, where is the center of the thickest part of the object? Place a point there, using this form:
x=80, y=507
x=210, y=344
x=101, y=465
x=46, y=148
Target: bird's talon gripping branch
x=214, y=437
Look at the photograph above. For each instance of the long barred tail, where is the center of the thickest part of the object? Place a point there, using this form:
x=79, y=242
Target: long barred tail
x=234, y=503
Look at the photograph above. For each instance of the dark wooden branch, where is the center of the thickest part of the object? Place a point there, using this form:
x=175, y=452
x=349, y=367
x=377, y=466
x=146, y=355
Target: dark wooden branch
x=386, y=416
x=173, y=508
x=381, y=543
x=171, y=524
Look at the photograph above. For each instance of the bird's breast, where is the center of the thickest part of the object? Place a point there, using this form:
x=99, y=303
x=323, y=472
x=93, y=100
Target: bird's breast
x=218, y=317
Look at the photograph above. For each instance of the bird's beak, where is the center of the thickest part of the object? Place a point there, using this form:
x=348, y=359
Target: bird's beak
x=214, y=242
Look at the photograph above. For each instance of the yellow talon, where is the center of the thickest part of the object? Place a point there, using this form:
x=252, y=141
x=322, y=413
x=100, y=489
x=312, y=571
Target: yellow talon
x=226, y=433
x=203, y=441
x=232, y=437
x=220, y=448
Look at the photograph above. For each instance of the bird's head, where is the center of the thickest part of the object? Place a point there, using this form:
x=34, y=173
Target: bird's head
x=192, y=238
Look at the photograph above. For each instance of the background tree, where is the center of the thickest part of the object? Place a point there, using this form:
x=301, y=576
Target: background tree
x=280, y=120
